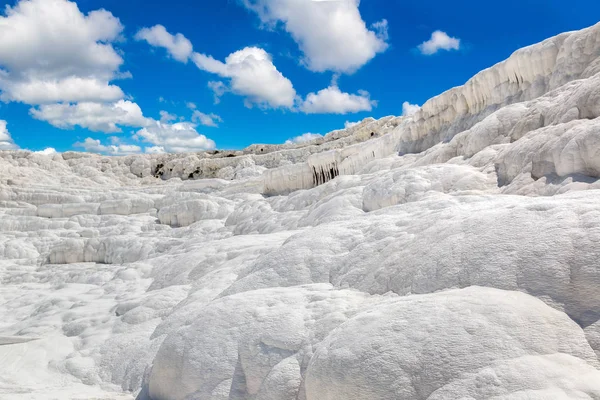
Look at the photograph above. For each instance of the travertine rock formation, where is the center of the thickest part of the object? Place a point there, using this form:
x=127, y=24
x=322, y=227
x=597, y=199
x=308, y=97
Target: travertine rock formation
x=450, y=254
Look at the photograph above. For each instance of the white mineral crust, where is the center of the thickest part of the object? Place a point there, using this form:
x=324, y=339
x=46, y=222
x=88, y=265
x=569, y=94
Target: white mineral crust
x=451, y=254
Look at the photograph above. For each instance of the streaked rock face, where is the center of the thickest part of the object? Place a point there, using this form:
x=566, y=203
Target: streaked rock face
x=450, y=254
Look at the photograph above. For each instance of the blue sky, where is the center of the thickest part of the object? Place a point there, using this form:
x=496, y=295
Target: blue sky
x=73, y=77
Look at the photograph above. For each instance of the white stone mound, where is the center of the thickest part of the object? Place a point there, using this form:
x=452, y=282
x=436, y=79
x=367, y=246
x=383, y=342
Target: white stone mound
x=451, y=254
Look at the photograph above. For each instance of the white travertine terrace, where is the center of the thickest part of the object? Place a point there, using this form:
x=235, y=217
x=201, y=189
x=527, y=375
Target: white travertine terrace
x=450, y=254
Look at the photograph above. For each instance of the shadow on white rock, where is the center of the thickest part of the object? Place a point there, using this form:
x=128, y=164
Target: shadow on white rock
x=409, y=348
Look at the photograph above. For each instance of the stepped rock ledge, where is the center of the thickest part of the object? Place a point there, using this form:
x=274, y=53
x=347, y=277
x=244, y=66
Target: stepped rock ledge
x=453, y=253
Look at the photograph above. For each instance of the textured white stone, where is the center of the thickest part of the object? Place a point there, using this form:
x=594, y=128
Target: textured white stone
x=411, y=347
x=449, y=254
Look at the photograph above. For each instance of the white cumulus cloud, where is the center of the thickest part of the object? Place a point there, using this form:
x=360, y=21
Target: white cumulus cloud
x=116, y=149
x=97, y=117
x=48, y=151
x=251, y=70
x=154, y=150
x=332, y=100
x=439, y=41
x=180, y=137
x=331, y=34
x=161, y=135
x=409, y=109
x=165, y=116
x=69, y=89
x=62, y=62
x=307, y=137
x=219, y=89
x=253, y=75
x=6, y=141
x=206, y=119
x=178, y=46
x=52, y=52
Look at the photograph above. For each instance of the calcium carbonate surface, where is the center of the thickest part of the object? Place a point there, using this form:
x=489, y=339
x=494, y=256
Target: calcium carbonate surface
x=451, y=254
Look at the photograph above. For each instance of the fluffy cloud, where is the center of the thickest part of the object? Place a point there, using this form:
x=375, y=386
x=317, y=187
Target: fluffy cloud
x=70, y=89
x=154, y=150
x=219, y=89
x=381, y=27
x=349, y=124
x=162, y=136
x=6, y=141
x=48, y=151
x=409, y=109
x=331, y=34
x=116, y=149
x=307, y=137
x=166, y=117
x=253, y=75
x=202, y=118
x=97, y=117
x=333, y=101
x=62, y=61
x=251, y=70
x=439, y=41
x=178, y=46
x=180, y=137
x=206, y=119
x=51, y=52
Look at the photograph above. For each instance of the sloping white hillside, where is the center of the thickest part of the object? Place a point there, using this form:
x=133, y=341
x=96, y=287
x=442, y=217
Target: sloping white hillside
x=451, y=254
